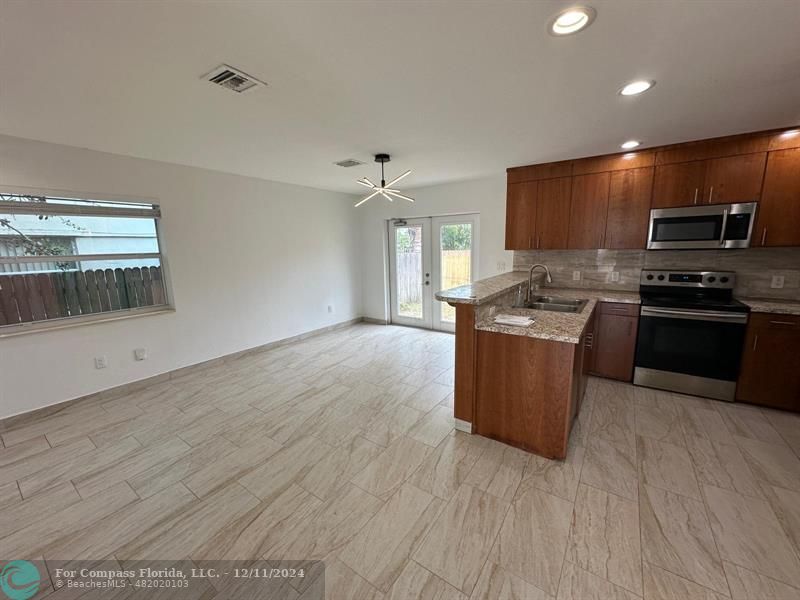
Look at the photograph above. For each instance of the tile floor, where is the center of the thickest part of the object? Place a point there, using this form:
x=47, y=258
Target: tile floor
x=342, y=448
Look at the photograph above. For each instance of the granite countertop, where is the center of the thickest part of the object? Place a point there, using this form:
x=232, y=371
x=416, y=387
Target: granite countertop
x=558, y=326
x=778, y=307
x=484, y=290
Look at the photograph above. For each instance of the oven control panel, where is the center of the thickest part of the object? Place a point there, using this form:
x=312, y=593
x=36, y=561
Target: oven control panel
x=697, y=279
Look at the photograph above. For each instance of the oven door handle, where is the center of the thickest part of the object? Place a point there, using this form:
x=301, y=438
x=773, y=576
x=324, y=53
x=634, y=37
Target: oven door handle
x=710, y=315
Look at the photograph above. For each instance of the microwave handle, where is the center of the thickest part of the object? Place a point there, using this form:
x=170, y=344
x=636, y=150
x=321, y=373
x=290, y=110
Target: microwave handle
x=724, y=226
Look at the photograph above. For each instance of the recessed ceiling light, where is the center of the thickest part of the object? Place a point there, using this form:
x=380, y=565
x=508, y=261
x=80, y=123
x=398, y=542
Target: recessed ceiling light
x=636, y=87
x=572, y=20
x=630, y=144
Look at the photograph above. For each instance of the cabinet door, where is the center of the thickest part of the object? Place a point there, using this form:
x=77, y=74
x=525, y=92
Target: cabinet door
x=629, y=208
x=770, y=373
x=614, y=345
x=589, y=207
x=778, y=222
x=552, y=213
x=680, y=184
x=734, y=179
x=520, y=215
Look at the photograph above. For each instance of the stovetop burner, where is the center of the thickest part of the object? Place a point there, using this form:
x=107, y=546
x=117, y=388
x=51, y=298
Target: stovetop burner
x=696, y=290
x=674, y=301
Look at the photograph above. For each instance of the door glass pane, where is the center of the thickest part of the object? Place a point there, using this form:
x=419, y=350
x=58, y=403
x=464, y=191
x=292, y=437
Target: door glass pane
x=456, y=245
x=408, y=248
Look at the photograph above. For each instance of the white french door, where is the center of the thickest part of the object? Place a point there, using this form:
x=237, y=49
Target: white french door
x=427, y=255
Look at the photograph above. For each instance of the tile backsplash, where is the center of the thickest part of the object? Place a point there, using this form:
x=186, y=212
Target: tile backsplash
x=754, y=267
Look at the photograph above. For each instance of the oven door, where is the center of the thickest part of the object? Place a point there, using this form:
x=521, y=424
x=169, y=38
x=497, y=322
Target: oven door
x=698, y=227
x=701, y=349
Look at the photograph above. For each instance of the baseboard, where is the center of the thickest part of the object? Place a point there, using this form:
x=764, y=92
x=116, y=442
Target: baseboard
x=14, y=421
x=375, y=321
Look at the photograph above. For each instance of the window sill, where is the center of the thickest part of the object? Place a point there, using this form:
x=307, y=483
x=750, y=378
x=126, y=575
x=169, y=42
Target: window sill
x=8, y=331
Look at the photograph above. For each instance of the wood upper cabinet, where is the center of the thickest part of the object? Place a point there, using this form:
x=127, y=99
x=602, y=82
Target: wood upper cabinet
x=770, y=373
x=587, y=221
x=714, y=181
x=778, y=216
x=734, y=179
x=552, y=213
x=680, y=184
x=628, y=208
x=521, y=215
x=614, y=343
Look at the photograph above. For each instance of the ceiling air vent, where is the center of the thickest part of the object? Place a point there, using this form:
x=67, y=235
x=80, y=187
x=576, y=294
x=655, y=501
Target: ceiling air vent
x=349, y=162
x=233, y=79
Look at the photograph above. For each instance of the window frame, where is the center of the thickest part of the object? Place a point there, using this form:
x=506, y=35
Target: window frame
x=121, y=211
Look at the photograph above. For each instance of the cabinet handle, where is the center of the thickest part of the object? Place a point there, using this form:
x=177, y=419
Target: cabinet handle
x=755, y=342
x=764, y=236
x=530, y=241
x=790, y=323
x=710, y=193
x=695, y=194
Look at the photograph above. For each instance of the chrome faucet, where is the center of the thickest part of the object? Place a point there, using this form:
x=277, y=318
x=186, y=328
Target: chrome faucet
x=548, y=279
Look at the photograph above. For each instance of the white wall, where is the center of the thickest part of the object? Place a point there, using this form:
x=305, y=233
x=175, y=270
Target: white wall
x=486, y=196
x=251, y=261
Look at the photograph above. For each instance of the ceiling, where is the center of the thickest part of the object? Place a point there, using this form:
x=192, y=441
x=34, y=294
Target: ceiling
x=453, y=89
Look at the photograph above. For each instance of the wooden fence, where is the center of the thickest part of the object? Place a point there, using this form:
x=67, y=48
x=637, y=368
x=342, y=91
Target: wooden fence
x=456, y=265
x=41, y=296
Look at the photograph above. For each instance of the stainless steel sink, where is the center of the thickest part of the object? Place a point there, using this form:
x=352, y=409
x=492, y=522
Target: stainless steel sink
x=556, y=300
x=554, y=304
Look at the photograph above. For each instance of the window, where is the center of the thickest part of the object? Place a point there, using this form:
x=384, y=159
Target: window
x=64, y=258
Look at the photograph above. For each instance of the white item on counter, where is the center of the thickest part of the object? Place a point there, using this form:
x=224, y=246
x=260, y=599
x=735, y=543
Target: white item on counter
x=514, y=320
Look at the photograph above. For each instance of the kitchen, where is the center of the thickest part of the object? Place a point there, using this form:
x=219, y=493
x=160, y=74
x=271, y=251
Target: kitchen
x=661, y=259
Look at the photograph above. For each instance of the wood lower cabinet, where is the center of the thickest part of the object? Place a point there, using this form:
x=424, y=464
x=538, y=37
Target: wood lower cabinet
x=778, y=217
x=614, y=340
x=520, y=215
x=680, y=184
x=770, y=374
x=588, y=211
x=734, y=179
x=628, y=216
x=526, y=390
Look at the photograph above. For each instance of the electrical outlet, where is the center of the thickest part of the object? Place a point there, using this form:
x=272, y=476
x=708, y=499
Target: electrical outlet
x=614, y=275
x=501, y=266
x=140, y=354
x=576, y=276
x=777, y=282
x=330, y=308
x=100, y=362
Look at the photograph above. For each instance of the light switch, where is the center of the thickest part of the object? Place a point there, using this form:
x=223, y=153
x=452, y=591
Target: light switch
x=777, y=282
x=576, y=276
x=614, y=275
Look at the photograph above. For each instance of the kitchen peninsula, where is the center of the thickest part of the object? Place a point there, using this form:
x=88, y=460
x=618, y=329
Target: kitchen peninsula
x=523, y=385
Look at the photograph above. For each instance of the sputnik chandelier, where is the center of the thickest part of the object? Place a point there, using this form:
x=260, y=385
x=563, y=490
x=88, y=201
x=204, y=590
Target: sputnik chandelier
x=384, y=189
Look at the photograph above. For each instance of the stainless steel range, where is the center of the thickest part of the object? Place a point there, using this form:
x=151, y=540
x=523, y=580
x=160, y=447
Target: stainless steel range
x=691, y=333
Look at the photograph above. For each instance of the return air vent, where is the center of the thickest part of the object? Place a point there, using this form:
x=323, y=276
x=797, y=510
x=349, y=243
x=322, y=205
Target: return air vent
x=349, y=162
x=233, y=79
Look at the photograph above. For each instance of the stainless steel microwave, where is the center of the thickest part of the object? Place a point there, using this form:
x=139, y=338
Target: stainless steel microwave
x=714, y=226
